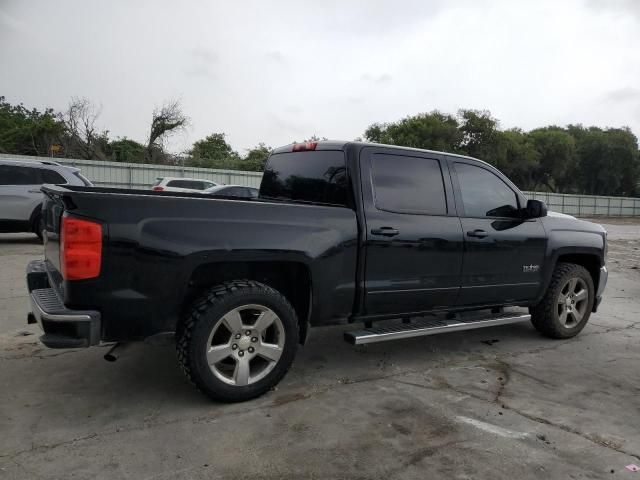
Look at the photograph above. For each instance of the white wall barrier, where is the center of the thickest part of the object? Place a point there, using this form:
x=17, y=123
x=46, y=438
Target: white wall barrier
x=139, y=175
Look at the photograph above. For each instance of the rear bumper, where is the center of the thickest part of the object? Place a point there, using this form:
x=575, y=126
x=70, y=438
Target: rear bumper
x=63, y=327
x=602, y=283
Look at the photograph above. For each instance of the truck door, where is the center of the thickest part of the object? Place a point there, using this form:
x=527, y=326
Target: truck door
x=413, y=239
x=503, y=253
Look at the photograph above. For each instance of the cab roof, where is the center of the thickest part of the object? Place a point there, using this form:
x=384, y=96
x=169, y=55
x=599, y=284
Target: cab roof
x=342, y=144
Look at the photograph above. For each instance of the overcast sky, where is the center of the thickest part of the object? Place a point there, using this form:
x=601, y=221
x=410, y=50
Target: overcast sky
x=280, y=71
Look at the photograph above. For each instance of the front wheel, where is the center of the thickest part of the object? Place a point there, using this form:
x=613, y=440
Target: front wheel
x=566, y=307
x=238, y=340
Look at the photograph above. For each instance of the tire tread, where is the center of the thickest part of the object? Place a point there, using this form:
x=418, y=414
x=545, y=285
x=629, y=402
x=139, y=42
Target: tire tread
x=210, y=299
x=543, y=315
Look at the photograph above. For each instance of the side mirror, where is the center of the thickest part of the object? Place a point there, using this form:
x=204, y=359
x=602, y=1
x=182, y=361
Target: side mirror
x=536, y=209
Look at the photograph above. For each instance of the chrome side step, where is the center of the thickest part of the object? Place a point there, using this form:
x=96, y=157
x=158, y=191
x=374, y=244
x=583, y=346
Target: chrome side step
x=432, y=326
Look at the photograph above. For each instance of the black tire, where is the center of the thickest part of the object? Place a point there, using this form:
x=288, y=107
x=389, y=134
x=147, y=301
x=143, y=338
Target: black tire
x=38, y=226
x=547, y=315
x=193, y=339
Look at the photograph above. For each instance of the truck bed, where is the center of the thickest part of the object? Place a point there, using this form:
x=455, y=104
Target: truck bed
x=159, y=245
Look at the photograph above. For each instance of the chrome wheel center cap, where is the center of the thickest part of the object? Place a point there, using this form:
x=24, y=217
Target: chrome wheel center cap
x=244, y=342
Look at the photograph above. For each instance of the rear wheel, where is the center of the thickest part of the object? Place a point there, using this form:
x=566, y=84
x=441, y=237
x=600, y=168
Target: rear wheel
x=565, y=309
x=238, y=340
x=38, y=225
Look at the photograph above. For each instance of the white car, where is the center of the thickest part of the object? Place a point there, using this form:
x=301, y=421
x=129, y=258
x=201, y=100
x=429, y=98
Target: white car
x=181, y=184
x=20, y=195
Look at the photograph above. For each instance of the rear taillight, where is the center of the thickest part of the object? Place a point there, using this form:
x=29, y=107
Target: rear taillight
x=80, y=248
x=305, y=146
x=158, y=189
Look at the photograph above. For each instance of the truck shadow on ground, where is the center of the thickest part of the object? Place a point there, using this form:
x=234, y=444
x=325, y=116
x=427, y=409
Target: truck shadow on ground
x=149, y=377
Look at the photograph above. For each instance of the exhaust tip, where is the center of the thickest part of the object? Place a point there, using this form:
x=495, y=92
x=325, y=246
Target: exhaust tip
x=110, y=357
x=115, y=352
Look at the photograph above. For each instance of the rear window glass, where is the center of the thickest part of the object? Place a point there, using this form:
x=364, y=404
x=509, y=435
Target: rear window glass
x=316, y=176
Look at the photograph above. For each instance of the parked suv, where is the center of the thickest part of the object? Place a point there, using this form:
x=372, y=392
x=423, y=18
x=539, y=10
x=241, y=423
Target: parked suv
x=181, y=184
x=20, y=195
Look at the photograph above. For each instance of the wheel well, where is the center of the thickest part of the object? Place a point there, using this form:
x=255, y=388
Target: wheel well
x=34, y=215
x=291, y=279
x=590, y=262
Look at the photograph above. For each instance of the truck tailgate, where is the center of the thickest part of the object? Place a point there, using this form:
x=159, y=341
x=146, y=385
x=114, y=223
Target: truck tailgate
x=52, y=210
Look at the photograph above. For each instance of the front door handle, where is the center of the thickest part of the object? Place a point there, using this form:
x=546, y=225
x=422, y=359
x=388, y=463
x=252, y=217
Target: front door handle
x=385, y=231
x=477, y=233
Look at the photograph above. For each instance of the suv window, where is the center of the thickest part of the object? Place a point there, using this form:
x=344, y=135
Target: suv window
x=19, y=175
x=408, y=185
x=49, y=176
x=232, y=192
x=484, y=194
x=192, y=184
x=318, y=176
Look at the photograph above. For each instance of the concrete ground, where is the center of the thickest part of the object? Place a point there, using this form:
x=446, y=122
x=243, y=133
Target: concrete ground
x=498, y=403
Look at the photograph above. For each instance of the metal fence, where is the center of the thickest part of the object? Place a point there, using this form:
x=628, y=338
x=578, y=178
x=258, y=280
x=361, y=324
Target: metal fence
x=137, y=175
x=141, y=175
x=589, y=205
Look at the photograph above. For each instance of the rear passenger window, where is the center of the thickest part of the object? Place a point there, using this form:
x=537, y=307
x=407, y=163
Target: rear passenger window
x=484, y=194
x=49, y=176
x=18, y=175
x=408, y=185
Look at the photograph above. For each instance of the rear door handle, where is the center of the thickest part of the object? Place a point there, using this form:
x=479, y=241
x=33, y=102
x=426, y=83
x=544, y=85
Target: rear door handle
x=477, y=233
x=385, y=231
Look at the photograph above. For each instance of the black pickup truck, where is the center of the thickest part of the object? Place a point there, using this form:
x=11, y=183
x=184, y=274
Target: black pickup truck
x=406, y=242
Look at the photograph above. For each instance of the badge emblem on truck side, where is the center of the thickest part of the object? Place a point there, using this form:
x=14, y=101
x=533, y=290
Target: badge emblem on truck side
x=530, y=268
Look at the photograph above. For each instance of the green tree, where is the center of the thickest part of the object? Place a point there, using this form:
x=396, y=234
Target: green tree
x=480, y=135
x=608, y=160
x=433, y=130
x=256, y=158
x=518, y=158
x=28, y=132
x=212, y=151
x=127, y=150
x=557, y=159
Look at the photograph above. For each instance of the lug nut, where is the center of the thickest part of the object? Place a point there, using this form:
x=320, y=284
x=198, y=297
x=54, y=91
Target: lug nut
x=251, y=349
x=234, y=346
x=248, y=332
x=241, y=353
x=254, y=339
x=238, y=335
